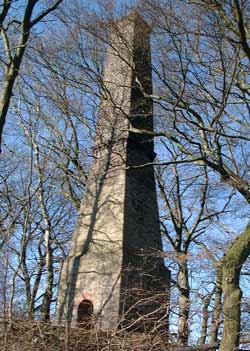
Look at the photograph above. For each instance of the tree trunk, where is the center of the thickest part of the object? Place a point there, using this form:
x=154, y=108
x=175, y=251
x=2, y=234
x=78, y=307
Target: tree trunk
x=216, y=317
x=45, y=309
x=232, y=262
x=205, y=315
x=14, y=65
x=36, y=285
x=14, y=62
x=184, y=300
x=46, y=304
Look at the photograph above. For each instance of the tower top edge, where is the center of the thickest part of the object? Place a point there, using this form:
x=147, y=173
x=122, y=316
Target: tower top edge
x=137, y=18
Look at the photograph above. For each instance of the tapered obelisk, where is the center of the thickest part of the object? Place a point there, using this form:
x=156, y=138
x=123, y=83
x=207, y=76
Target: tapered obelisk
x=114, y=273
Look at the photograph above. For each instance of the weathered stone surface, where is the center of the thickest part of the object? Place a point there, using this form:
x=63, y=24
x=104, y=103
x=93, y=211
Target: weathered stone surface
x=114, y=257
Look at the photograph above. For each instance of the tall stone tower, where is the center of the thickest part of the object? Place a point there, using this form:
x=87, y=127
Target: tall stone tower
x=114, y=271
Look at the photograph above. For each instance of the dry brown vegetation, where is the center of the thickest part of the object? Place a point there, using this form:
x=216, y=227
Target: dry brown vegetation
x=25, y=335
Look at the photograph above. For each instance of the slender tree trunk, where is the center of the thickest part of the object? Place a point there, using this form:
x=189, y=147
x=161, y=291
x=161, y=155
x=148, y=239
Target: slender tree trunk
x=36, y=286
x=23, y=260
x=13, y=62
x=184, y=299
x=50, y=278
x=14, y=65
x=47, y=239
x=205, y=315
x=232, y=262
x=5, y=286
x=216, y=316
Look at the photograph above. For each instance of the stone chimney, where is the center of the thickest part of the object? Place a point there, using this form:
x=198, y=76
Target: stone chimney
x=114, y=273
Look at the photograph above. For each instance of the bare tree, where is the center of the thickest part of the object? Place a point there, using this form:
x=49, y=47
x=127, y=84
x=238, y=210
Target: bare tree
x=15, y=32
x=202, y=74
x=187, y=214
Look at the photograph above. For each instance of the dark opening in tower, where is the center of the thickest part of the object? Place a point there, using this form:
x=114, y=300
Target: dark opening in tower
x=85, y=313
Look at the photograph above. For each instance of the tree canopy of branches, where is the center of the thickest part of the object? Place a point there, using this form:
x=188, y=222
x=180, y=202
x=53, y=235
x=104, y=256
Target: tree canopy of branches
x=15, y=30
x=201, y=65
